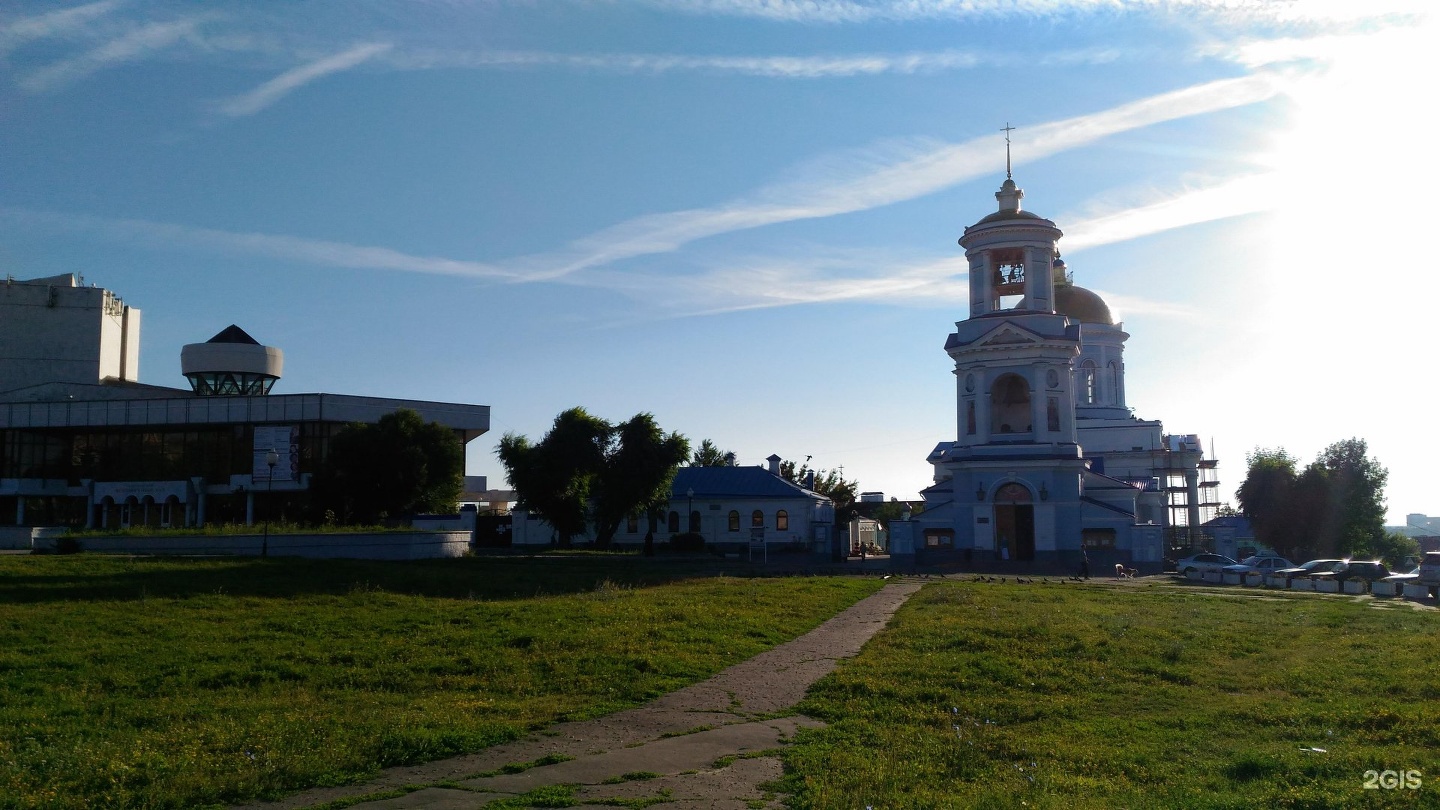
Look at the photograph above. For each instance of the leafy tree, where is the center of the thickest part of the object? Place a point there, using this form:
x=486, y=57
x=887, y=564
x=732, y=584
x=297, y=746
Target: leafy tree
x=640, y=463
x=1266, y=495
x=398, y=466
x=1394, y=548
x=894, y=510
x=586, y=469
x=1356, y=484
x=1335, y=507
x=555, y=477
x=708, y=455
x=830, y=483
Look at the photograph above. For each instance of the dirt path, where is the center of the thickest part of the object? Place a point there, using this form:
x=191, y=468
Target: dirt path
x=699, y=747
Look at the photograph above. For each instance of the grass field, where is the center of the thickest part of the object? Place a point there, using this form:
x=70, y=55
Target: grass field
x=1010, y=696
x=176, y=684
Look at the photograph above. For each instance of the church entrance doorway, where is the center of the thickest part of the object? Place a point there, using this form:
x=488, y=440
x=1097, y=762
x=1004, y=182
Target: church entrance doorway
x=1015, y=522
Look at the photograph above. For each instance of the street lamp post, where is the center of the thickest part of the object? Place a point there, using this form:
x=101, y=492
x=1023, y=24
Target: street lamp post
x=271, y=459
x=690, y=522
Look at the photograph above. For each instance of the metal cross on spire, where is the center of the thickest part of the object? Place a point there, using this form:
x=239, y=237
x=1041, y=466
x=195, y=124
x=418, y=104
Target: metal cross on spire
x=1007, y=129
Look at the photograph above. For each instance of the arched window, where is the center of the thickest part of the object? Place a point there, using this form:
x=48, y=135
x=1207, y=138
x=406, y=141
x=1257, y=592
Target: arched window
x=632, y=524
x=757, y=519
x=734, y=521
x=782, y=521
x=1115, y=398
x=1088, y=384
x=673, y=524
x=694, y=521
x=1010, y=405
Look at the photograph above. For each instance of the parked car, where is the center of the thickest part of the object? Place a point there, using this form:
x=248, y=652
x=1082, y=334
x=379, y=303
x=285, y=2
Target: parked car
x=1204, y=563
x=1430, y=569
x=1368, y=570
x=1312, y=567
x=1259, y=564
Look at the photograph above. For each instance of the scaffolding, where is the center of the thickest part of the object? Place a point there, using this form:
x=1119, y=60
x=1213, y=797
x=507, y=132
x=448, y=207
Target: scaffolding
x=1181, y=457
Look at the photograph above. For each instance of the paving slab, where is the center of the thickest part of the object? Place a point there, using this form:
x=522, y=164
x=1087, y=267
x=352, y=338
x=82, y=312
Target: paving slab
x=679, y=735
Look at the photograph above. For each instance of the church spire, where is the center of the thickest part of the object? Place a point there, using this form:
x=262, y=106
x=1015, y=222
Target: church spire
x=1007, y=129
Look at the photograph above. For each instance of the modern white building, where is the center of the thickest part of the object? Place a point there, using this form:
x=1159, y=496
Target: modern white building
x=83, y=443
x=1048, y=459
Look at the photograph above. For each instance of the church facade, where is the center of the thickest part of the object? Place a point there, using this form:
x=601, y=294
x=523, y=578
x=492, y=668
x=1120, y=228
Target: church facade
x=1048, y=459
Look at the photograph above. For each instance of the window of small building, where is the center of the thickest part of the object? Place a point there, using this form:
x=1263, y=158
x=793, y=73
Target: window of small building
x=757, y=519
x=694, y=521
x=673, y=524
x=632, y=524
x=782, y=521
x=1097, y=538
x=733, y=522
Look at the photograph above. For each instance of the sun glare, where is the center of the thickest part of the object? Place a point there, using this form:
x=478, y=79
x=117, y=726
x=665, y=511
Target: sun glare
x=1355, y=172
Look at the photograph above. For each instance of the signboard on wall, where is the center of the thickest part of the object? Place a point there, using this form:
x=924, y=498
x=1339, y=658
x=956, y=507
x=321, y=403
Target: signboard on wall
x=285, y=441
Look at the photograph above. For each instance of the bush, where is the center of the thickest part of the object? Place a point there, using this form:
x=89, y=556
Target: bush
x=687, y=543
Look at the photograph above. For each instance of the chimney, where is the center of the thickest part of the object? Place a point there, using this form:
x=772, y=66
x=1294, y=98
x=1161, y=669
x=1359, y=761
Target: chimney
x=729, y=459
x=774, y=464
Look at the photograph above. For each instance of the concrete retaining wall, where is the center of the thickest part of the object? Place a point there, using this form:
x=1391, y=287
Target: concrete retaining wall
x=358, y=546
x=1417, y=591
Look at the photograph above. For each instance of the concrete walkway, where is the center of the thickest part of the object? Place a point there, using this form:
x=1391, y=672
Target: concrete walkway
x=704, y=746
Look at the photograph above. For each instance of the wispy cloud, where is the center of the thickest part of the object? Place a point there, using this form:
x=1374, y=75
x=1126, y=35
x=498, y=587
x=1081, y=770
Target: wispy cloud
x=289, y=248
x=863, y=11
x=865, y=180
x=55, y=23
x=773, y=66
x=1231, y=198
x=133, y=46
x=292, y=80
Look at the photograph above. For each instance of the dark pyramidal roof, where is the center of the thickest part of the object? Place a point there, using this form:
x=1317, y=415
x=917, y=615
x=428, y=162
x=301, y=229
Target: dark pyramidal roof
x=233, y=334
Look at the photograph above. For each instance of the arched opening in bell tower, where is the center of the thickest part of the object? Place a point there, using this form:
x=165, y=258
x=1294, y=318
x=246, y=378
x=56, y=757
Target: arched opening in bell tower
x=1009, y=278
x=1010, y=410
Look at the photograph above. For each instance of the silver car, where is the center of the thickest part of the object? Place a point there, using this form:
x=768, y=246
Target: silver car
x=1204, y=563
x=1259, y=564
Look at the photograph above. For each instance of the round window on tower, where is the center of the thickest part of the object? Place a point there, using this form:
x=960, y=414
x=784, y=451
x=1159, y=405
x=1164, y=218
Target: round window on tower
x=970, y=382
x=1052, y=378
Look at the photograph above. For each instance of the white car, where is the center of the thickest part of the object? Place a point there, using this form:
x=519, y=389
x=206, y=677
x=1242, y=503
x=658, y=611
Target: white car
x=1259, y=564
x=1203, y=563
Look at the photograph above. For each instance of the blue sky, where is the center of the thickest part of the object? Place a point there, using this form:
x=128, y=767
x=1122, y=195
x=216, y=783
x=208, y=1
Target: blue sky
x=741, y=215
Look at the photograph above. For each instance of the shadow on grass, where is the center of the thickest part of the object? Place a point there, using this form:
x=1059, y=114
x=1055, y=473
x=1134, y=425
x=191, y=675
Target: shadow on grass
x=30, y=579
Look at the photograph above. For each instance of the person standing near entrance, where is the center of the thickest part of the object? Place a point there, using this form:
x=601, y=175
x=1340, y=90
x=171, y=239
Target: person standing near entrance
x=1084, y=564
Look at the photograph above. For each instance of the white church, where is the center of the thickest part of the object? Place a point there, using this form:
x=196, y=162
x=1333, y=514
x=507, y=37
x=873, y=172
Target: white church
x=1048, y=459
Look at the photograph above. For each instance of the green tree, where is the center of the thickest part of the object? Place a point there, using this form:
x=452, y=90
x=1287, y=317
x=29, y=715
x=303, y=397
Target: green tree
x=830, y=483
x=1356, y=497
x=555, y=478
x=708, y=455
x=640, y=464
x=1395, y=549
x=1266, y=496
x=400, y=465
x=1335, y=507
x=586, y=470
